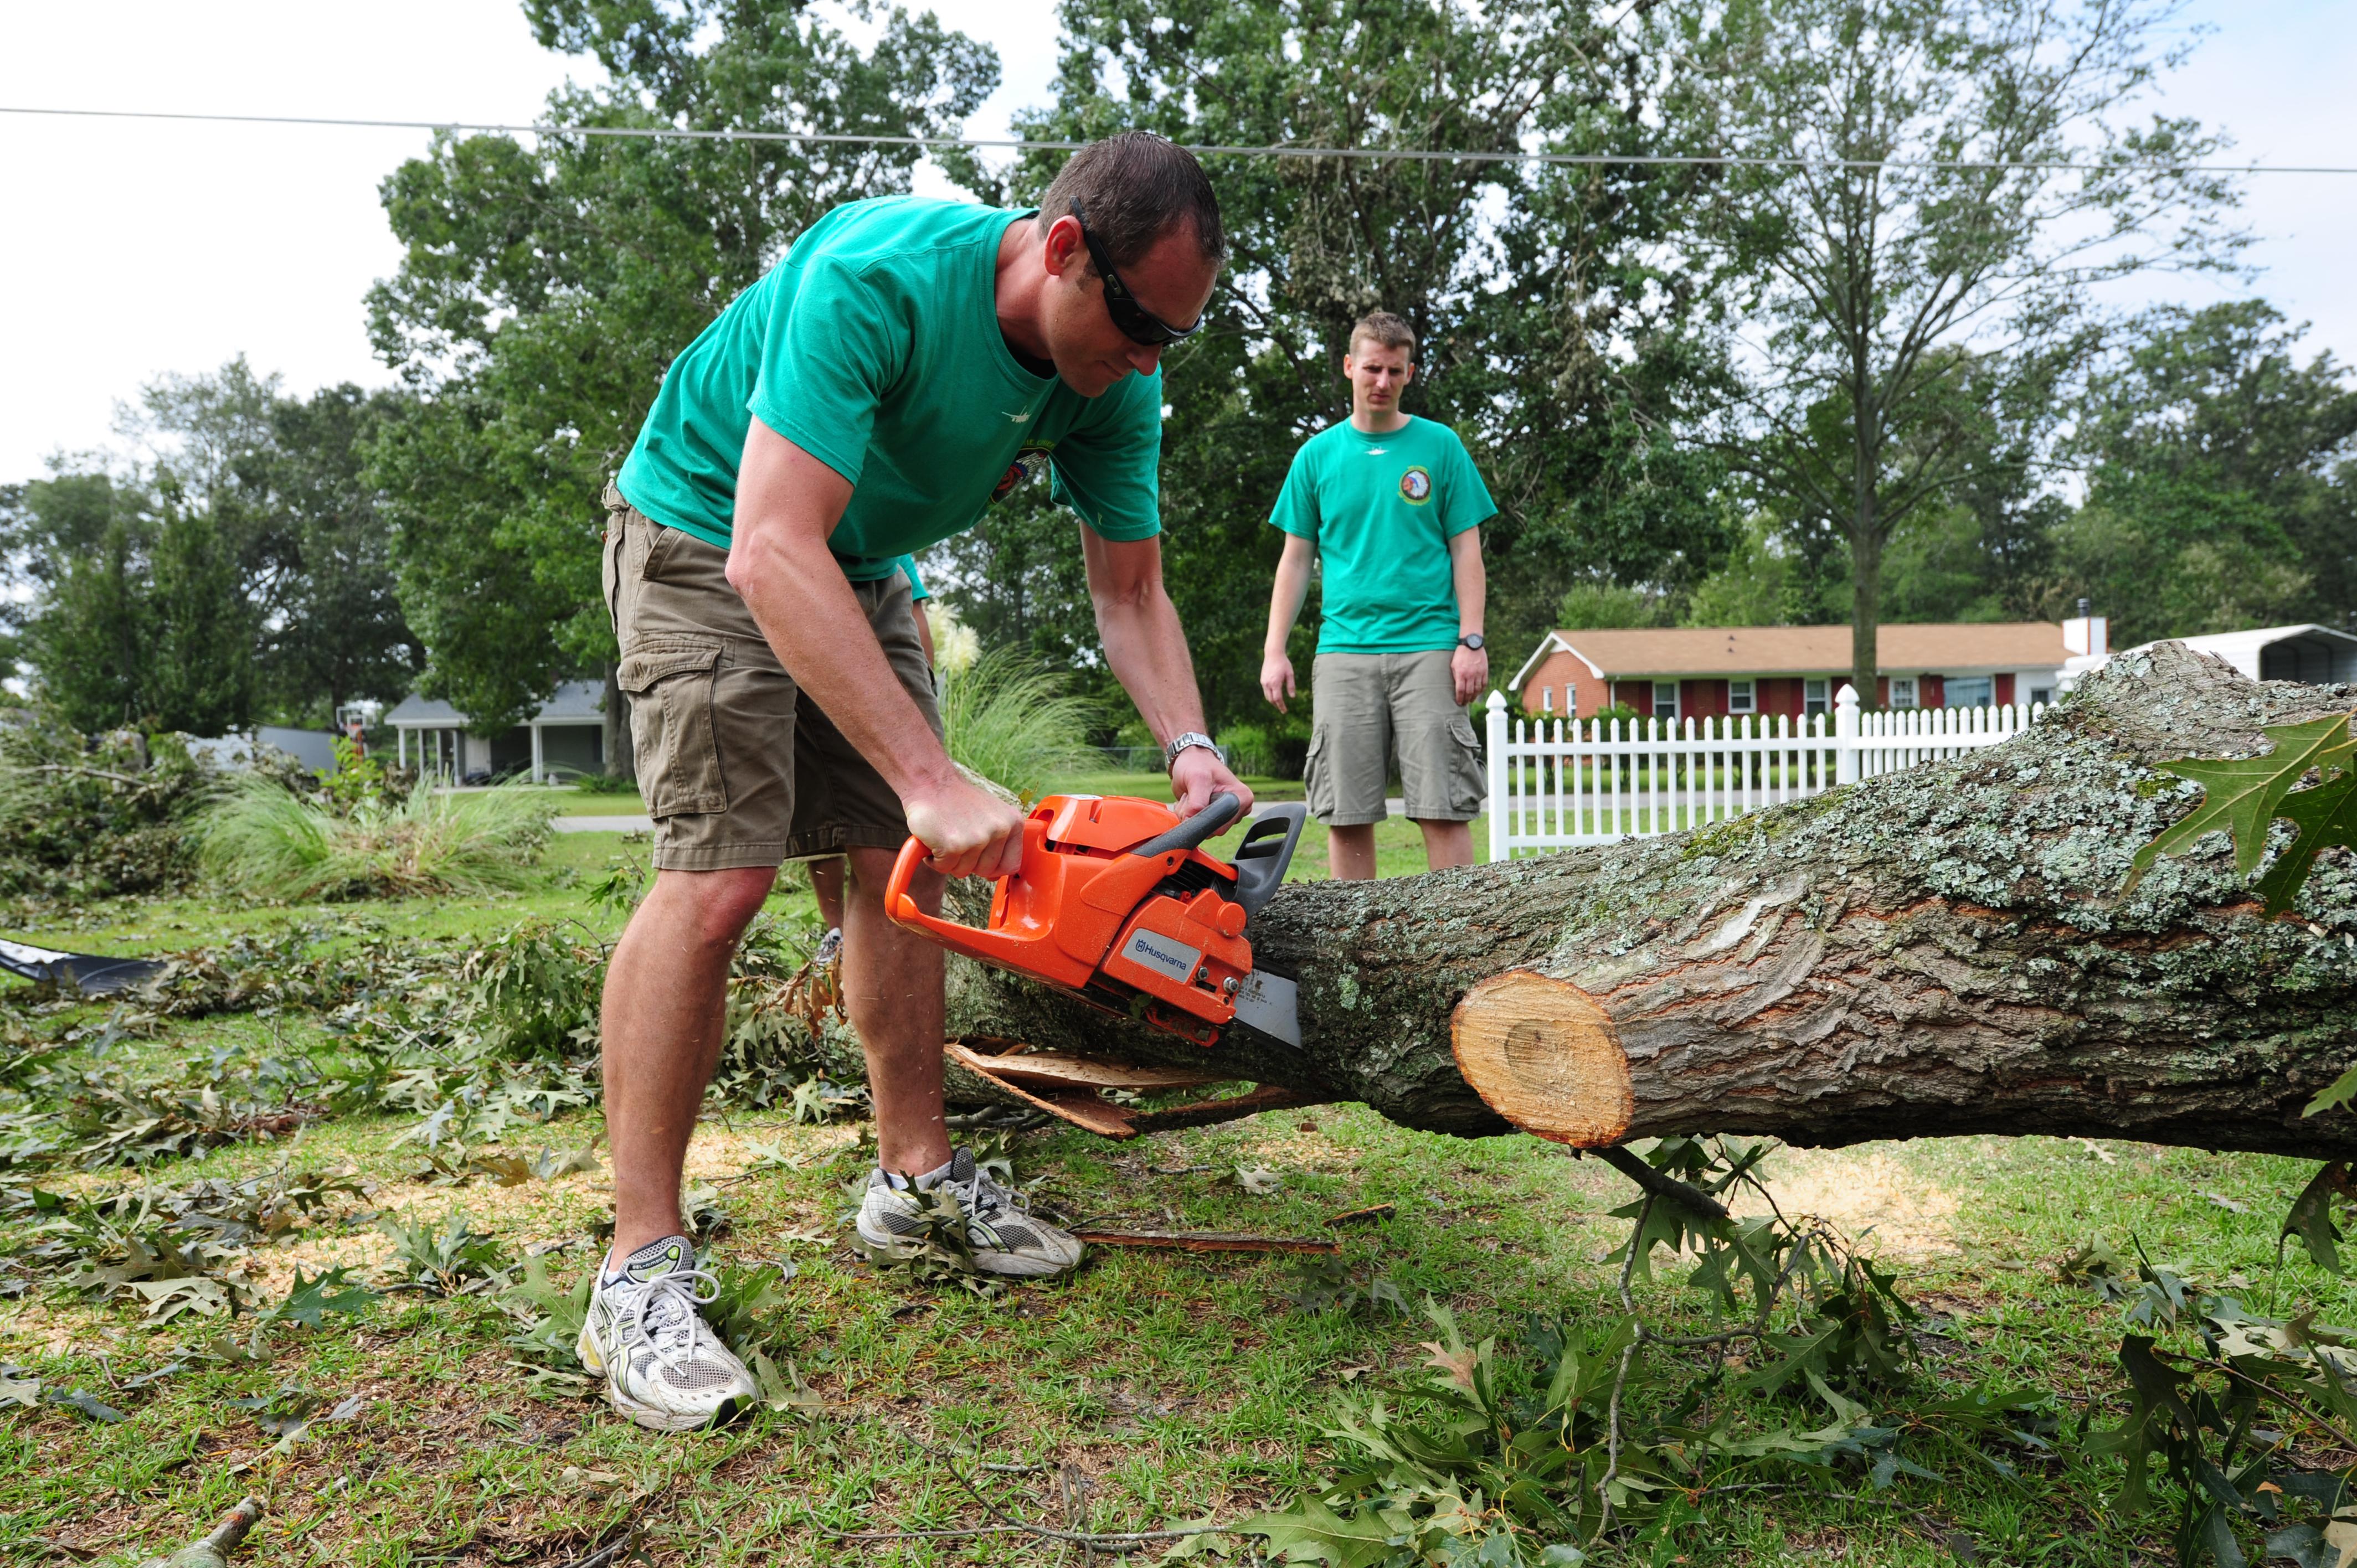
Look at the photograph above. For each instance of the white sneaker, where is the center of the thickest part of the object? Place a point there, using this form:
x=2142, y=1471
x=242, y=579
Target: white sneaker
x=830, y=947
x=664, y=1366
x=1002, y=1233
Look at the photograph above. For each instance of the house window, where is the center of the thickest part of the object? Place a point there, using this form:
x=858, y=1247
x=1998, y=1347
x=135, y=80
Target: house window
x=1812, y=696
x=2042, y=694
x=1902, y=691
x=1666, y=699
x=1971, y=691
x=1740, y=698
x=1546, y=699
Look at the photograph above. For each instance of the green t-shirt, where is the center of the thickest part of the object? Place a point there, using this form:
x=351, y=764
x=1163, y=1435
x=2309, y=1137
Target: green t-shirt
x=873, y=346
x=917, y=592
x=1382, y=510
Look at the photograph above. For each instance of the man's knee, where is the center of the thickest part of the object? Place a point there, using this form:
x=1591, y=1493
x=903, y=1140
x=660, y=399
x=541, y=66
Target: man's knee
x=871, y=871
x=715, y=906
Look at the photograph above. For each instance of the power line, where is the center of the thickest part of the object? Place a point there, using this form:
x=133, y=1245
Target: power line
x=1018, y=143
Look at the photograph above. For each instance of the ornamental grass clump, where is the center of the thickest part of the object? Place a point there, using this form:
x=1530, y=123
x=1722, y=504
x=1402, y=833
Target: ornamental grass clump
x=263, y=839
x=1013, y=722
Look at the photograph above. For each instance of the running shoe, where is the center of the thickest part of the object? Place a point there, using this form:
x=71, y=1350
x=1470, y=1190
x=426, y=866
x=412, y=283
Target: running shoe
x=1002, y=1233
x=664, y=1366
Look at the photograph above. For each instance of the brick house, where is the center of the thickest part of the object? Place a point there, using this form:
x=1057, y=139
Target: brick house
x=1704, y=671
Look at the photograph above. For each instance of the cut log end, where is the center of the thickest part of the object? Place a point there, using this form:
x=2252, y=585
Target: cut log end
x=1542, y=1054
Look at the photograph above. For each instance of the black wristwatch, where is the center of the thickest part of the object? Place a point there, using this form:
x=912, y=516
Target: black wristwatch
x=1471, y=640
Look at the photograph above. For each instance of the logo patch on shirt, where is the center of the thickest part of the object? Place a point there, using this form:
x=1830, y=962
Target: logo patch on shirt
x=1415, y=486
x=1028, y=462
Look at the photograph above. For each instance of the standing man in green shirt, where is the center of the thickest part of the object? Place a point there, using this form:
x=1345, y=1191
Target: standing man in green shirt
x=907, y=363
x=1391, y=508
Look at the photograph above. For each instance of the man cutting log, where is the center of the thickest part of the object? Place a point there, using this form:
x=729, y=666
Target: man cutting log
x=907, y=363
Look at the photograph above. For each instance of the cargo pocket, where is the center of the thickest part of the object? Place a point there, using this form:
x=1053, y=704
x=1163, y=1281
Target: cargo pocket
x=664, y=540
x=1314, y=792
x=670, y=684
x=1469, y=783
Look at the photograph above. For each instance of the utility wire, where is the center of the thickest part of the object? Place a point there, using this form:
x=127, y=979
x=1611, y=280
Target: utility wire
x=1388, y=155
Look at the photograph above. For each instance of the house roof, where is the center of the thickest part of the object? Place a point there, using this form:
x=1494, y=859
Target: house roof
x=573, y=703
x=1957, y=648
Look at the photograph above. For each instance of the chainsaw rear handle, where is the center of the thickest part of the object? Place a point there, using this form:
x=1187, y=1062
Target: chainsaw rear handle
x=977, y=940
x=1216, y=814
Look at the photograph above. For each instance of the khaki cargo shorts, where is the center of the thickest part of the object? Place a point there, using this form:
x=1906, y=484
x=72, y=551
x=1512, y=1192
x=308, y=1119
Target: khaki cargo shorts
x=1367, y=704
x=738, y=770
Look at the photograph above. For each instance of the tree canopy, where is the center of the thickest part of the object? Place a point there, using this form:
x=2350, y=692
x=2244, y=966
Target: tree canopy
x=544, y=288
x=233, y=569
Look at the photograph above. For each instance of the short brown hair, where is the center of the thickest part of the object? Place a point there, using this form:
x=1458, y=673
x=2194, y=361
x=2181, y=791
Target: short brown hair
x=1135, y=188
x=1386, y=331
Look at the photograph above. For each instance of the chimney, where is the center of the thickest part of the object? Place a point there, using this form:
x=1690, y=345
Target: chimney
x=2088, y=636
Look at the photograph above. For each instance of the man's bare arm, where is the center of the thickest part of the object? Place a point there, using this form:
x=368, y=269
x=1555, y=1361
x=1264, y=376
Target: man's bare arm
x=1292, y=586
x=1146, y=648
x=788, y=503
x=1469, y=666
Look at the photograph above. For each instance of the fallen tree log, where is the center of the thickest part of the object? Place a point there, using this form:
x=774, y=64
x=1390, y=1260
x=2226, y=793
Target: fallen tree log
x=1936, y=952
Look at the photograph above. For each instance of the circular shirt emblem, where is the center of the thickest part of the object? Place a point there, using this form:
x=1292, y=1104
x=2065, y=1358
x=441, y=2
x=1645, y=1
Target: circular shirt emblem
x=1415, y=486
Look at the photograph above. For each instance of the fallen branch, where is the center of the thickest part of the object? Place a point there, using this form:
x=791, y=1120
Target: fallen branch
x=1206, y=1240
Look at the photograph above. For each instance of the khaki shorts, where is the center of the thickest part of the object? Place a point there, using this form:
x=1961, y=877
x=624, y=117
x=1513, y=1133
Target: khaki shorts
x=736, y=769
x=1367, y=704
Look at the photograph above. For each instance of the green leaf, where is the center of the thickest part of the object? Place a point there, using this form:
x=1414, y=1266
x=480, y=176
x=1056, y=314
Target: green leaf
x=311, y=1299
x=1312, y=1532
x=2326, y=816
x=2310, y=1218
x=92, y=1408
x=2343, y=1090
x=2243, y=795
x=783, y=1389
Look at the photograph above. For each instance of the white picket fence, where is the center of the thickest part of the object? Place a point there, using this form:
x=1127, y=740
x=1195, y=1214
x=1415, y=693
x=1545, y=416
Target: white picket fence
x=1557, y=782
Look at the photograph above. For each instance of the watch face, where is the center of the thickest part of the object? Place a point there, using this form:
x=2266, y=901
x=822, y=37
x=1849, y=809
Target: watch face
x=1472, y=640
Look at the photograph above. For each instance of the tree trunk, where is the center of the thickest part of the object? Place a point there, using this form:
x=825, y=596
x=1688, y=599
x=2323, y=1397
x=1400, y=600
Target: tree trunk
x=1935, y=951
x=622, y=757
x=1866, y=605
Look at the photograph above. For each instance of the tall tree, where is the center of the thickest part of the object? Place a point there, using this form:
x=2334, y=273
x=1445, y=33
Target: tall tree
x=233, y=568
x=2221, y=479
x=544, y=290
x=333, y=632
x=78, y=541
x=1928, y=260
x=1554, y=334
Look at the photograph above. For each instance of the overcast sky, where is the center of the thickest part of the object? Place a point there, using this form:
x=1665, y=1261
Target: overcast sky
x=136, y=249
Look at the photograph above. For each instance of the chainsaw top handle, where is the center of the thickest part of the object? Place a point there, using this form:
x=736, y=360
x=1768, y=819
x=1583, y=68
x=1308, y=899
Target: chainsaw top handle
x=1265, y=851
x=1216, y=814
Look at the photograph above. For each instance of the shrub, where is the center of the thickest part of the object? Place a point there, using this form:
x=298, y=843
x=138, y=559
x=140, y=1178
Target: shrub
x=1013, y=723
x=604, y=783
x=260, y=838
x=92, y=816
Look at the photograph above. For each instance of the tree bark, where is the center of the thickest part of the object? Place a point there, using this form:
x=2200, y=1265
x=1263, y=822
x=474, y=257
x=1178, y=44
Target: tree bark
x=1936, y=952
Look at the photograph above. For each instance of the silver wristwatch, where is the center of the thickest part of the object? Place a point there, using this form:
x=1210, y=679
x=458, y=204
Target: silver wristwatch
x=1180, y=743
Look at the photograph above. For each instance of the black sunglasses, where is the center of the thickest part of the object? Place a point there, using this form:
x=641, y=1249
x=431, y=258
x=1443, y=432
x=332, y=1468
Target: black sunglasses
x=1136, y=323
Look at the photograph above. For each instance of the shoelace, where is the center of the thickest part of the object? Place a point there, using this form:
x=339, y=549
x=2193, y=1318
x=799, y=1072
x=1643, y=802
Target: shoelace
x=677, y=1294
x=984, y=1195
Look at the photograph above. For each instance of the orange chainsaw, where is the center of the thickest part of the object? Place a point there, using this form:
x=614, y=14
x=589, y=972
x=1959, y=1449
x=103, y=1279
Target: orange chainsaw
x=1116, y=903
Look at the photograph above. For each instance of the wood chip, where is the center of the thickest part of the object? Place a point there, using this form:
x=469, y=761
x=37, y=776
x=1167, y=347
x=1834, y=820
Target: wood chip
x=1366, y=1216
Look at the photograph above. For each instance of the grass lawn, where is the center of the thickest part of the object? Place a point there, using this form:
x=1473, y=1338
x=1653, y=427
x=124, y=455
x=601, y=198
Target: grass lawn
x=1168, y=1386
